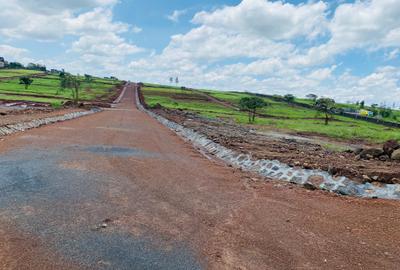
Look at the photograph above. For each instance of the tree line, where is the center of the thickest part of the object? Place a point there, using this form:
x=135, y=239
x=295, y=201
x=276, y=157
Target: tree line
x=30, y=66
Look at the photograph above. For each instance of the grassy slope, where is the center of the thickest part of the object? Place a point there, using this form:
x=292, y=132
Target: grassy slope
x=283, y=116
x=5, y=73
x=48, y=86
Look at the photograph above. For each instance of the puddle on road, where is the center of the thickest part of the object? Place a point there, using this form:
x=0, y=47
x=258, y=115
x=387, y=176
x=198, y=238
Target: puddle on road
x=120, y=151
x=60, y=205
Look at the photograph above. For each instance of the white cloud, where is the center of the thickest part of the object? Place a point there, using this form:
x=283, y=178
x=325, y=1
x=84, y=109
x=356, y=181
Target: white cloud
x=100, y=48
x=373, y=23
x=136, y=29
x=271, y=20
x=98, y=43
x=97, y=21
x=367, y=25
x=393, y=54
x=175, y=16
x=322, y=73
x=10, y=52
x=20, y=21
x=209, y=43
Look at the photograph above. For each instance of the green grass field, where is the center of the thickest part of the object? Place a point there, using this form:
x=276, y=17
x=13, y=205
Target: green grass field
x=47, y=89
x=281, y=115
x=6, y=73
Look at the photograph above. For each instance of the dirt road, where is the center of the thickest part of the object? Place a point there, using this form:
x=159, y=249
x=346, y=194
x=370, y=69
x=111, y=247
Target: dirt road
x=117, y=190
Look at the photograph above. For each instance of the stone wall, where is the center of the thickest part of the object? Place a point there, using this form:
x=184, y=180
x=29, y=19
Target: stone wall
x=273, y=169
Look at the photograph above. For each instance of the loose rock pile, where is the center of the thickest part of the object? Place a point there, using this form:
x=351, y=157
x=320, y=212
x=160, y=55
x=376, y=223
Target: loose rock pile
x=390, y=150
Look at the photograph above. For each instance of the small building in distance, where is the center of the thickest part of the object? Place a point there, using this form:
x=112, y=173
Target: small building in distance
x=3, y=62
x=365, y=113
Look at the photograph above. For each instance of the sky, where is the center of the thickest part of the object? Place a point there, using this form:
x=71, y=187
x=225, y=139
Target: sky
x=345, y=49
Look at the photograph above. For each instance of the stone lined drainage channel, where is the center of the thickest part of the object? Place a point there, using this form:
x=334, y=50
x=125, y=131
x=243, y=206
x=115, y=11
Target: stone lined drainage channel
x=10, y=129
x=277, y=170
x=119, y=98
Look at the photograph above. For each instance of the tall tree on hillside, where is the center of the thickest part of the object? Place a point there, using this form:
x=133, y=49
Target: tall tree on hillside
x=73, y=83
x=63, y=81
x=26, y=81
x=289, y=98
x=88, y=78
x=313, y=97
x=251, y=104
x=177, y=81
x=385, y=112
x=326, y=106
x=362, y=104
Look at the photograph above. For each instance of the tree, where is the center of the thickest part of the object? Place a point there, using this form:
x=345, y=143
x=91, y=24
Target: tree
x=63, y=81
x=362, y=104
x=34, y=66
x=385, y=112
x=177, y=81
x=15, y=65
x=26, y=81
x=74, y=84
x=374, y=109
x=76, y=87
x=313, y=97
x=88, y=78
x=325, y=105
x=289, y=98
x=171, y=80
x=251, y=104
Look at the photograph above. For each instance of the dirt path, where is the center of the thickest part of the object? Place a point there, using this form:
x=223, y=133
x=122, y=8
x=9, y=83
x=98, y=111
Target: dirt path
x=117, y=190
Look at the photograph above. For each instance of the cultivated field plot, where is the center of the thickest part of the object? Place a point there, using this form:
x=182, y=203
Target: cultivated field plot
x=47, y=89
x=7, y=73
x=280, y=116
